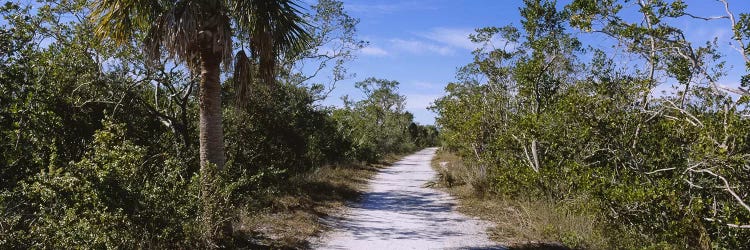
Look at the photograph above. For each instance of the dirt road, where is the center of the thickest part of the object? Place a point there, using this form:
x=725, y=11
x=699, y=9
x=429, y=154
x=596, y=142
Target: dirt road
x=398, y=212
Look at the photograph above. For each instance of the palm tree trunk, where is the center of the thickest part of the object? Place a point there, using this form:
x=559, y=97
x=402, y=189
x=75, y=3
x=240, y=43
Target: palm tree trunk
x=211, y=138
x=211, y=135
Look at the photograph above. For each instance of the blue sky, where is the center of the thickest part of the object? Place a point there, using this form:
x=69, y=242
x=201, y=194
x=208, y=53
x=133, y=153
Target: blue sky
x=422, y=43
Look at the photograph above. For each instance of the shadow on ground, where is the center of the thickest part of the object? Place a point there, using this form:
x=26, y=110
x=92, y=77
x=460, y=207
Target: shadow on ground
x=293, y=214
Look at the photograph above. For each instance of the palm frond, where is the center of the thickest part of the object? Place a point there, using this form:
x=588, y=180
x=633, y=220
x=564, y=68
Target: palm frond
x=169, y=25
x=120, y=19
x=273, y=27
x=242, y=78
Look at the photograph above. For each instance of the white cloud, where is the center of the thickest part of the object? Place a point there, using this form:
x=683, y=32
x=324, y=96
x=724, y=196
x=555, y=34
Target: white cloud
x=440, y=41
x=420, y=101
x=458, y=38
x=425, y=85
x=373, y=50
x=389, y=7
x=451, y=36
x=699, y=34
x=420, y=47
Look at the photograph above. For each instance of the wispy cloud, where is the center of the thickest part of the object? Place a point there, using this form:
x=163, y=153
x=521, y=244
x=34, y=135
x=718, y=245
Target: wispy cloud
x=419, y=101
x=702, y=33
x=373, y=50
x=436, y=41
x=454, y=37
x=420, y=47
x=389, y=7
x=425, y=85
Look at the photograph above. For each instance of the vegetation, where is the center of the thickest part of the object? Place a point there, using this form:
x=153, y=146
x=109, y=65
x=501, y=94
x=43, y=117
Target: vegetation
x=198, y=124
x=379, y=124
x=200, y=34
x=105, y=145
x=542, y=119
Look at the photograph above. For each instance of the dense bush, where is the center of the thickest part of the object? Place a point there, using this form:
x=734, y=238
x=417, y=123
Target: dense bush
x=98, y=146
x=378, y=124
x=659, y=170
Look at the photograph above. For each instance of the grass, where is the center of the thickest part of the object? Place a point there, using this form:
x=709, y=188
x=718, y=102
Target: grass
x=519, y=223
x=294, y=215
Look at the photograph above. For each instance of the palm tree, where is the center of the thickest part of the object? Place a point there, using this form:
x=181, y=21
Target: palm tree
x=200, y=34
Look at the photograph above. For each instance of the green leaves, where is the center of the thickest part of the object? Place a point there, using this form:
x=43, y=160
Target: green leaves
x=548, y=126
x=742, y=29
x=378, y=124
x=121, y=19
x=98, y=142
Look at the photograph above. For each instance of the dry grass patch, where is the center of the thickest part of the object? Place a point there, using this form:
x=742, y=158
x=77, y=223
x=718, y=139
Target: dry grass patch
x=521, y=224
x=293, y=216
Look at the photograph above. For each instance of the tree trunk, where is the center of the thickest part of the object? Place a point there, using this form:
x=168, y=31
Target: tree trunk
x=211, y=140
x=211, y=134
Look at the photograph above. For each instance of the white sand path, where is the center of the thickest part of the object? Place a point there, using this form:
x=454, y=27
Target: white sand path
x=399, y=212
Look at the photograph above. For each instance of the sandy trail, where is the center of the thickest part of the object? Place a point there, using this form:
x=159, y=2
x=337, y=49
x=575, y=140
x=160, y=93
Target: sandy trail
x=398, y=212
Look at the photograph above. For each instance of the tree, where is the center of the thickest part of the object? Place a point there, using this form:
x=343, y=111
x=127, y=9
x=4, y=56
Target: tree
x=378, y=123
x=200, y=34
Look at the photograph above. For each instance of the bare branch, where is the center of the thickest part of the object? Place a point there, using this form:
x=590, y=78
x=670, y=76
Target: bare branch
x=730, y=15
x=727, y=187
x=695, y=121
x=692, y=184
x=707, y=18
x=534, y=154
x=728, y=224
x=661, y=170
x=526, y=151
